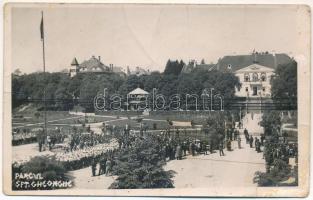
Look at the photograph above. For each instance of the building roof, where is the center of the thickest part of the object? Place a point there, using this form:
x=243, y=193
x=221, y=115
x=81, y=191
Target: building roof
x=94, y=64
x=139, y=71
x=74, y=62
x=255, y=68
x=138, y=91
x=187, y=68
x=236, y=62
x=208, y=67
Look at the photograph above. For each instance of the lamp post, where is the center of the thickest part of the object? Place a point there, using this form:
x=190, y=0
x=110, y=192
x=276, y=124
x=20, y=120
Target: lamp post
x=240, y=115
x=260, y=93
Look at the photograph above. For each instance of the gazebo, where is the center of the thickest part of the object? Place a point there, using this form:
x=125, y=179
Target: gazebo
x=137, y=99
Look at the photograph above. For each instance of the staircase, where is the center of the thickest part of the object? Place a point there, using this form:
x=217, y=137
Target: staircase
x=251, y=122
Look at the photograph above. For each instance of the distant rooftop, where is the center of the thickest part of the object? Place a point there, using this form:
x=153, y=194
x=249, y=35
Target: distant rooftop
x=236, y=62
x=94, y=64
x=138, y=91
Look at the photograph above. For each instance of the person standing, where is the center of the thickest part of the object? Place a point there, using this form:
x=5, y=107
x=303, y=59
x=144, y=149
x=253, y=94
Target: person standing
x=239, y=142
x=191, y=149
x=231, y=134
x=184, y=147
x=93, y=167
x=228, y=145
x=246, y=135
x=211, y=147
x=245, y=132
x=221, y=149
x=102, y=166
x=108, y=165
x=251, y=141
x=262, y=139
x=178, y=153
x=256, y=144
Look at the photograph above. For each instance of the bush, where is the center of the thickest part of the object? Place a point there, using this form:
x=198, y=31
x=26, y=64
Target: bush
x=279, y=172
x=49, y=168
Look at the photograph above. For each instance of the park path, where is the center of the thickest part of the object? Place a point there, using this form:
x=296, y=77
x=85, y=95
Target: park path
x=251, y=122
x=40, y=123
x=235, y=169
x=83, y=180
x=26, y=151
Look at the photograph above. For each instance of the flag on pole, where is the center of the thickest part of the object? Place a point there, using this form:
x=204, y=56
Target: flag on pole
x=41, y=27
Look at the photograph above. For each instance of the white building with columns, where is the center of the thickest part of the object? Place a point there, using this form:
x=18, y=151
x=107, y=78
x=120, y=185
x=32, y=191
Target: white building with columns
x=255, y=81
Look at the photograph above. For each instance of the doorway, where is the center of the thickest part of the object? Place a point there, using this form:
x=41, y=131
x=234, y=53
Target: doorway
x=255, y=91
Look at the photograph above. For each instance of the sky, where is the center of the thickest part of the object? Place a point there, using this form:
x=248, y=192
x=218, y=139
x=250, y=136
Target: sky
x=147, y=35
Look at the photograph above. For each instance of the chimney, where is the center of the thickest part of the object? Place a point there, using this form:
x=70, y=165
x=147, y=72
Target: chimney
x=255, y=57
x=275, y=60
x=99, y=58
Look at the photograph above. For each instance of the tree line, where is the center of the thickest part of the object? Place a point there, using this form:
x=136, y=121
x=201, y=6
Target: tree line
x=63, y=92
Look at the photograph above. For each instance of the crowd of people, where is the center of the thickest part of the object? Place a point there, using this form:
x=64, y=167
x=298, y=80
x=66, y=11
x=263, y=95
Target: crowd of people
x=84, y=148
x=84, y=140
x=89, y=156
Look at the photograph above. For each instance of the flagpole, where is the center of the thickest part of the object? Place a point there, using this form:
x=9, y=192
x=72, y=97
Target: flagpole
x=44, y=77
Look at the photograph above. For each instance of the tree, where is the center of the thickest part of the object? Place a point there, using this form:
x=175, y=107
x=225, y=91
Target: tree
x=140, y=166
x=284, y=86
x=17, y=72
x=173, y=67
x=63, y=99
x=271, y=121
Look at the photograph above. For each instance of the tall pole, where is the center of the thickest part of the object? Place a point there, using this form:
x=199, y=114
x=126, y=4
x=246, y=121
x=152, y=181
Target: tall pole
x=44, y=75
x=240, y=114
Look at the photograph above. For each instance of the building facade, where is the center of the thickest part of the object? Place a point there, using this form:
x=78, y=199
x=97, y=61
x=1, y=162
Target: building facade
x=255, y=81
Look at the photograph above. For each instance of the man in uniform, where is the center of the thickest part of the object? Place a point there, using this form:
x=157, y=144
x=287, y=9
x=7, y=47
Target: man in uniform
x=93, y=167
x=102, y=166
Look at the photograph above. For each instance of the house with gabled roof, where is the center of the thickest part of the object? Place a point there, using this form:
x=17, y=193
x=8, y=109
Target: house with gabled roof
x=254, y=71
x=92, y=65
x=233, y=63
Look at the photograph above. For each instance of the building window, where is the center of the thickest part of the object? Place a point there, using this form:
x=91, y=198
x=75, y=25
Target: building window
x=263, y=77
x=263, y=89
x=247, y=77
x=255, y=77
x=229, y=66
x=247, y=89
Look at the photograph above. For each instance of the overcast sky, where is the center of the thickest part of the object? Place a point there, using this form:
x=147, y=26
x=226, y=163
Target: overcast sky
x=148, y=35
